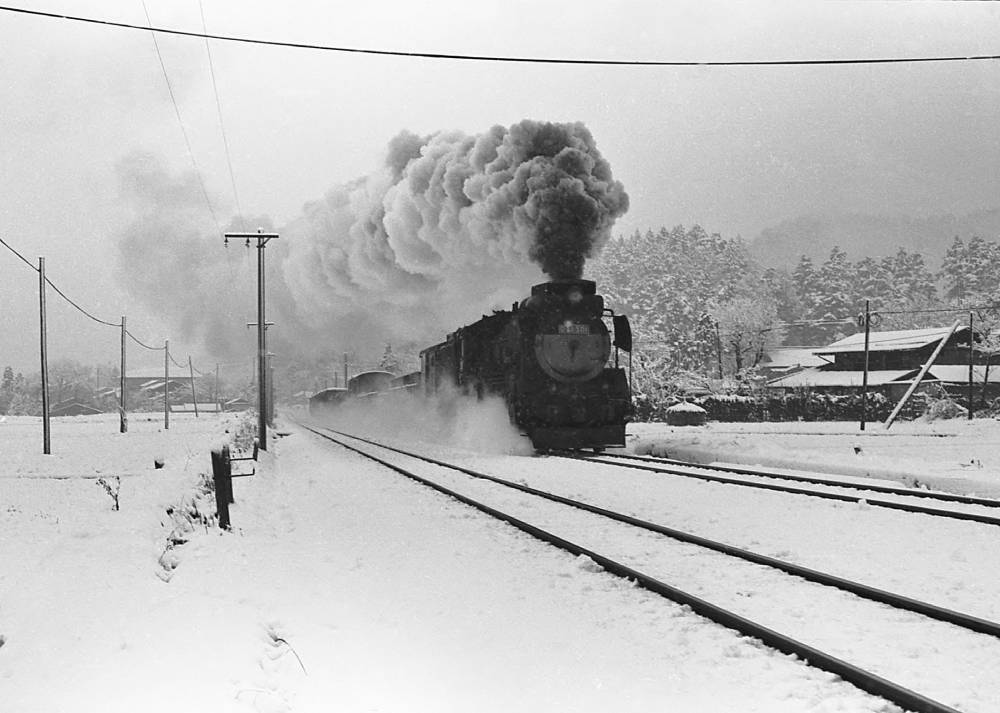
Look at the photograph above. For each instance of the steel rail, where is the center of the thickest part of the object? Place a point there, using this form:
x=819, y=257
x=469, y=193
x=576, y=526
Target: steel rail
x=910, y=492
x=898, y=601
x=954, y=514
x=864, y=680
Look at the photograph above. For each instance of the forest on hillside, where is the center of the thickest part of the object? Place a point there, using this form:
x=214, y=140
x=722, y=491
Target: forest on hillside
x=704, y=310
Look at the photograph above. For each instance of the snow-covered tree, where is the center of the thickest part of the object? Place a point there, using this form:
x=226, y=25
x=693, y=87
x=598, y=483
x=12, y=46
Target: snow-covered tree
x=747, y=328
x=389, y=362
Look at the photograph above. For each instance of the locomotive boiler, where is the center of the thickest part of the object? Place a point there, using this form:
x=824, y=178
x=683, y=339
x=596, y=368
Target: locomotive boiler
x=549, y=359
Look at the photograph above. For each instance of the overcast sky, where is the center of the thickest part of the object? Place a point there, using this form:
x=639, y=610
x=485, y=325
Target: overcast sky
x=734, y=149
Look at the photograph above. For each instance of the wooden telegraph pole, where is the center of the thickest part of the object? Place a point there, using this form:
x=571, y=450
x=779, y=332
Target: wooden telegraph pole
x=46, y=425
x=972, y=355
x=262, y=409
x=194, y=396
x=122, y=419
x=166, y=384
x=864, y=379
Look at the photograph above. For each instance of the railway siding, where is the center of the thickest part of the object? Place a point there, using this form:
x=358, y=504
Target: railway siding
x=866, y=634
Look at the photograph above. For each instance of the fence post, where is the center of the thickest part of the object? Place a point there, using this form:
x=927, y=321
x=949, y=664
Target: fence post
x=229, y=474
x=222, y=475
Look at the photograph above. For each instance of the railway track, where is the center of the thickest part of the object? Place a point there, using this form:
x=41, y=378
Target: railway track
x=975, y=509
x=621, y=566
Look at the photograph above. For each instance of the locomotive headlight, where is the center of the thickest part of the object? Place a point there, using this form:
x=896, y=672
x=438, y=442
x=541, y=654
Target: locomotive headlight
x=574, y=296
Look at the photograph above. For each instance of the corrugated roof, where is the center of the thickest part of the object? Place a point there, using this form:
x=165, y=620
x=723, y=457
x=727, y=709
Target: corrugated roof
x=901, y=340
x=786, y=357
x=156, y=372
x=959, y=374
x=827, y=378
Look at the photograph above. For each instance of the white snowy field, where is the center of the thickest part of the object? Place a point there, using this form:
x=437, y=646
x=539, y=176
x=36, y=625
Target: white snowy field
x=345, y=587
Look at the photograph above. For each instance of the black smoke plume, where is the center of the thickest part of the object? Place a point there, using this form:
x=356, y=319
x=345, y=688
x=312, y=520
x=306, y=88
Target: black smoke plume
x=450, y=227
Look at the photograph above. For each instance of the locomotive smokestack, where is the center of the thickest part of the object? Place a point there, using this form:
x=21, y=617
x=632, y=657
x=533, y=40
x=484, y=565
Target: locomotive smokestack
x=572, y=200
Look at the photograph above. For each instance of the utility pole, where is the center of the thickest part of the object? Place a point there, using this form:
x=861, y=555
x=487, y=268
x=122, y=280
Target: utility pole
x=166, y=385
x=972, y=355
x=123, y=420
x=262, y=240
x=864, y=378
x=194, y=396
x=46, y=425
x=270, y=390
x=718, y=348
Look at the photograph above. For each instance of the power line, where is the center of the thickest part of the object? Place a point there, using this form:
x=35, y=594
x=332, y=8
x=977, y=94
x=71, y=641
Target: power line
x=23, y=258
x=146, y=346
x=222, y=126
x=501, y=58
x=177, y=111
x=58, y=291
x=81, y=309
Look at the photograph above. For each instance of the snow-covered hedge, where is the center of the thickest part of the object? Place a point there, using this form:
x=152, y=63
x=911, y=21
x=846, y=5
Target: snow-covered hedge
x=802, y=405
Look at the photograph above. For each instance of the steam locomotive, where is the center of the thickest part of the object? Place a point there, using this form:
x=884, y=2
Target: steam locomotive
x=548, y=359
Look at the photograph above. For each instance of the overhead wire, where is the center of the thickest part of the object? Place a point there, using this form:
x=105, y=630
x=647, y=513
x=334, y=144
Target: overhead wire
x=509, y=59
x=136, y=340
x=23, y=258
x=225, y=143
x=85, y=312
x=180, y=121
x=222, y=125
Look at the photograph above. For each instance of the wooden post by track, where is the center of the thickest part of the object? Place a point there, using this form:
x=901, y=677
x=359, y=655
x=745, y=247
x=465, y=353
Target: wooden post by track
x=222, y=476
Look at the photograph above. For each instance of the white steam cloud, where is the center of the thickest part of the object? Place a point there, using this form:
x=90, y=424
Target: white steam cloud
x=449, y=228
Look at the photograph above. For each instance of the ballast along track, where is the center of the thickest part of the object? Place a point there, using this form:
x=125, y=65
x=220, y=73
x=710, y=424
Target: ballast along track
x=698, y=471
x=864, y=680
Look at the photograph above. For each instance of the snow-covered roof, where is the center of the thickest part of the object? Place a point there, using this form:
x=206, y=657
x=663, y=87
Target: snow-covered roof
x=821, y=377
x=959, y=373
x=899, y=340
x=787, y=357
x=156, y=372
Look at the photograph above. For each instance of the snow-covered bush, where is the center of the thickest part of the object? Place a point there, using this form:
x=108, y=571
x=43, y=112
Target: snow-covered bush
x=686, y=414
x=246, y=431
x=110, y=489
x=944, y=408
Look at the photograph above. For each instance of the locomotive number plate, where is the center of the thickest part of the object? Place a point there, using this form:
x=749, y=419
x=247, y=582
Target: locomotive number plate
x=574, y=329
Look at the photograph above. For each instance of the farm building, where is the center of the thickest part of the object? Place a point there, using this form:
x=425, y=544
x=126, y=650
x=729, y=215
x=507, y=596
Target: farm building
x=895, y=359
x=149, y=378
x=73, y=407
x=788, y=360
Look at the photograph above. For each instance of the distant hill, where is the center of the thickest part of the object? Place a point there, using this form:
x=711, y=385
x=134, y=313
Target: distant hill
x=876, y=236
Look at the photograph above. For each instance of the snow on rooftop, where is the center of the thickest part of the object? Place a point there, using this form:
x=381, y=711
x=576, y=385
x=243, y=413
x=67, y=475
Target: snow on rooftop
x=889, y=341
x=839, y=378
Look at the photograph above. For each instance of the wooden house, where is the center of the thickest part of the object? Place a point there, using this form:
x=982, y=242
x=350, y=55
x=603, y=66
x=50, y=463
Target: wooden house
x=895, y=359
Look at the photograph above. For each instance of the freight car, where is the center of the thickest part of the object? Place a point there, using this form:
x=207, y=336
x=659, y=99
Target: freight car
x=326, y=400
x=548, y=359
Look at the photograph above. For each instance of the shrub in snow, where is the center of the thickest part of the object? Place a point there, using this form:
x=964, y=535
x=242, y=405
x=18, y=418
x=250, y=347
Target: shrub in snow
x=110, y=489
x=944, y=408
x=246, y=431
x=799, y=405
x=685, y=414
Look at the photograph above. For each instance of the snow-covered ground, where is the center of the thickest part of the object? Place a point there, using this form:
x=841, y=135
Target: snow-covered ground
x=345, y=587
